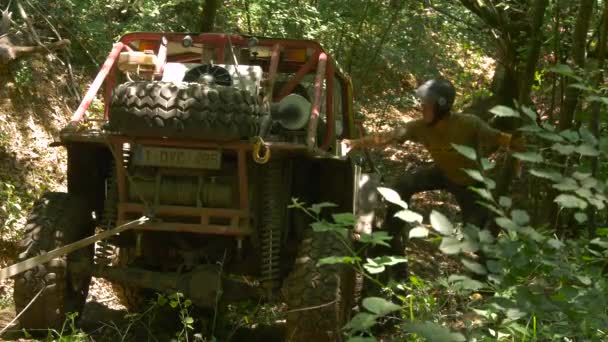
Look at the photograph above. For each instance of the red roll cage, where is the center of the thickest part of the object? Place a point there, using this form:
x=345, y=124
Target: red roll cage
x=306, y=56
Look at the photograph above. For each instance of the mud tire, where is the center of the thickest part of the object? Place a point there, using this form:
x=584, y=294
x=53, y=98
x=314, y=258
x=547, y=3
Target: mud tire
x=131, y=297
x=187, y=110
x=319, y=298
x=56, y=220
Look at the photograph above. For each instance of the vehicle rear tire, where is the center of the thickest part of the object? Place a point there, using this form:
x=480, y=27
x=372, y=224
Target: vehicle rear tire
x=56, y=220
x=131, y=297
x=319, y=298
x=187, y=110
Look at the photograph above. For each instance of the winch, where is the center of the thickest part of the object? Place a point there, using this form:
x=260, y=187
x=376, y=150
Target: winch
x=159, y=187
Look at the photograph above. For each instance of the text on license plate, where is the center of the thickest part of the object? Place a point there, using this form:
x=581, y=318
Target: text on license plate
x=177, y=157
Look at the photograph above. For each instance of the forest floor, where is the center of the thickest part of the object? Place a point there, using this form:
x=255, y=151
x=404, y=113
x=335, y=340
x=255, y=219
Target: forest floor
x=32, y=111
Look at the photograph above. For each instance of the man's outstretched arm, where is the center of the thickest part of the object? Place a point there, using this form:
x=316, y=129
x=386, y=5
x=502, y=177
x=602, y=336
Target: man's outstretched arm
x=382, y=139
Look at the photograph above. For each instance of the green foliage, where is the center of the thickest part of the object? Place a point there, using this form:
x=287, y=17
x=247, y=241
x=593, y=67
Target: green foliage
x=522, y=283
x=22, y=73
x=10, y=206
x=69, y=332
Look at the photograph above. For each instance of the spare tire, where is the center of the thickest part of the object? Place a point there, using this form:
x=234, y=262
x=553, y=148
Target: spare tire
x=185, y=110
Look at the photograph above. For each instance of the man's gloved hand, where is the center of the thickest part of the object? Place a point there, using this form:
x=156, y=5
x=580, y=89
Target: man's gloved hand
x=346, y=145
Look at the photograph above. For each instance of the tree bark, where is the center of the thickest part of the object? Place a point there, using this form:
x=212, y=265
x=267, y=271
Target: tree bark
x=594, y=120
x=578, y=56
x=536, y=40
x=209, y=15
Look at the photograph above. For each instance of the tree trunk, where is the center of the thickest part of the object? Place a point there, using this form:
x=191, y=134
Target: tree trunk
x=594, y=120
x=536, y=40
x=209, y=14
x=578, y=56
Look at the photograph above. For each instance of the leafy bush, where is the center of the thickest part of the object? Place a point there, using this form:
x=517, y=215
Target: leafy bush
x=523, y=283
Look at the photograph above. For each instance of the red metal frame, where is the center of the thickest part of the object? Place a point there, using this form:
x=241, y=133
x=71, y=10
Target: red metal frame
x=108, y=70
x=238, y=218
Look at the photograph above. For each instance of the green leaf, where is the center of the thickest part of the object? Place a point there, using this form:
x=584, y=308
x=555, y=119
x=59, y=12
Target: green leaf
x=515, y=314
x=418, y=232
x=581, y=86
x=345, y=219
x=506, y=224
x=504, y=111
x=362, y=321
x=520, y=217
x=441, y=223
x=486, y=164
x=316, y=208
x=324, y=226
x=550, y=136
x=361, y=339
x=450, y=245
x=580, y=217
x=547, y=174
x=532, y=128
x=379, y=306
x=570, y=135
x=601, y=99
x=585, y=280
x=188, y=320
x=584, y=193
x=581, y=175
x=531, y=157
x=377, y=265
x=601, y=232
x=555, y=243
x=587, y=150
x=485, y=236
x=476, y=175
x=433, y=332
x=376, y=238
x=588, y=136
x=599, y=242
x=409, y=216
x=563, y=149
x=392, y=196
x=466, y=151
x=547, y=126
x=465, y=282
x=570, y=201
x=567, y=184
x=505, y=202
x=474, y=266
x=529, y=112
x=332, y=260
x=485, y=194
x=567, y=71
x=533, y=234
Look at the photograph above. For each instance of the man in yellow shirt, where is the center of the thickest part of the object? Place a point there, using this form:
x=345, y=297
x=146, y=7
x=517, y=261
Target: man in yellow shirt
x=437, y=130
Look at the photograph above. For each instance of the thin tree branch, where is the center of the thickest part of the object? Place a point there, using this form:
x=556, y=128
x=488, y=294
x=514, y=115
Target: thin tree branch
x=441, y=11
x=28, y=22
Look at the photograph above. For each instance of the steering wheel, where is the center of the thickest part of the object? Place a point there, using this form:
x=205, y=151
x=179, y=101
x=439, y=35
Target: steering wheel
x=201, y=73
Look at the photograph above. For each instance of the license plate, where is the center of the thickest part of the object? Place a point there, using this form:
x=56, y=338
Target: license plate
x=177, y=157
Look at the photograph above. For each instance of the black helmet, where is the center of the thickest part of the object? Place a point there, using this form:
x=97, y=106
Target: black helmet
x=441, y=92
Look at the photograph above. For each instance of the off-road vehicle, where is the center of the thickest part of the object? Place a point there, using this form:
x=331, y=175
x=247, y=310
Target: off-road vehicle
x=211, y=136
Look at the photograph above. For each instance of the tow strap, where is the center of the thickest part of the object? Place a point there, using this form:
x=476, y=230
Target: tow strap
x=30, y=263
